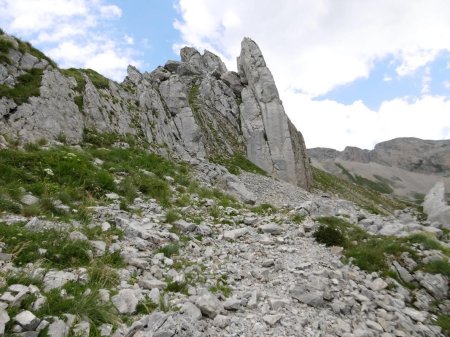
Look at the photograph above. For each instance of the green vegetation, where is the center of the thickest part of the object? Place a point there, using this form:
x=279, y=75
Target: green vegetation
x=5, y=45
x=444, y=322
x=99, y=81
x=238, y=163
x=381, y=186
x=172, y=216
x=438, y=267
x=222, y=286
x=364, y=196
x=82, y=301
x=26, y=47
x=368, y=252
x=170, y=249
x=373, y=252
x=27, y=86
x=264, y=209
x=297, y=218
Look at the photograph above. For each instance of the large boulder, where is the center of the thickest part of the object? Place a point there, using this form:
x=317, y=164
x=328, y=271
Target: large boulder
x=435, y=204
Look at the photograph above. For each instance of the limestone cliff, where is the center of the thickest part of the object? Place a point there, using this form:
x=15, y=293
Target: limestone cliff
x=193, y=108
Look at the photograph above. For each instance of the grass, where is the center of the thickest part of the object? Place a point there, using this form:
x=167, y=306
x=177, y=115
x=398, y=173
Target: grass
x=26, y=47
x=5, y=45
x=363, y=196
x=61, y=252
x=172, y=216
x=297, y=218
x=170, y=249
x=82, y=301
x=62, y=173
x=146, y=306
x=238, y=163
x=98, y=80
x=27, y=86
x=438, y=267
x=77, y=75
x=264, y=209
x=368, y=252
x=444, y=322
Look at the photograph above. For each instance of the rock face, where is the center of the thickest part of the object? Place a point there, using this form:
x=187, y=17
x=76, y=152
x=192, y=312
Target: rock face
x=272, y=141
x=435, y=205
x=195, y=108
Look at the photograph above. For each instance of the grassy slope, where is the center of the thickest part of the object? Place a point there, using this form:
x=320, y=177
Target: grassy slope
x=364, y=196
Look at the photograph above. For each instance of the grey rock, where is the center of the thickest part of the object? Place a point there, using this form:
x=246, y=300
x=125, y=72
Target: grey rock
x=313, y=298
x=402, y=272
x=125, y=301
x=58, y=329
x=29, y=199
x=232, y=304
x=27, y=320
x=57, y=278
x=378, y=284
x=191, y=310
x=234, y=234
x=436, y=284
x=6, y=257
x=278, y=149
x=75, y=235
x=99, y=247
x=4, y=318
x=416, y=315
x=271, y=228
x=82, y=329
x=221, y=321
x=272, y=319
x=152, y=283
x=106, y=330
x=209, y=305
x=184, y=226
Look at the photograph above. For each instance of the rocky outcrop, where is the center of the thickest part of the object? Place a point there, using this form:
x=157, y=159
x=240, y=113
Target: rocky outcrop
x=193, y=108
x=272, y=141
x=435, y=205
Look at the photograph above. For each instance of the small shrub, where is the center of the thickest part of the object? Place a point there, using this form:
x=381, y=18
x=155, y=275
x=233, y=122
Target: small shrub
x=444, y=322
x=330, y=236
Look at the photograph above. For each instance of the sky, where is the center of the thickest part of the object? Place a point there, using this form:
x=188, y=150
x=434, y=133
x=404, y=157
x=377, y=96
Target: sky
x=349, y=73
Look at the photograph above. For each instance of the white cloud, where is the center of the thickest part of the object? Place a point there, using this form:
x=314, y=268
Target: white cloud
x=326, y=123
x=72, y=32
x=110, y=11
x=314, y=46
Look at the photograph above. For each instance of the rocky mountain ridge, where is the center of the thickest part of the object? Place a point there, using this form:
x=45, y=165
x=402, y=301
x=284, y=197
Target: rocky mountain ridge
x=411, y=154
x=406, y=167
x=192, y=109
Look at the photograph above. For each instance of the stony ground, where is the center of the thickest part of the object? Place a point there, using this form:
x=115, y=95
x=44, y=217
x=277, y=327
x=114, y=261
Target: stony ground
x=238, y=273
